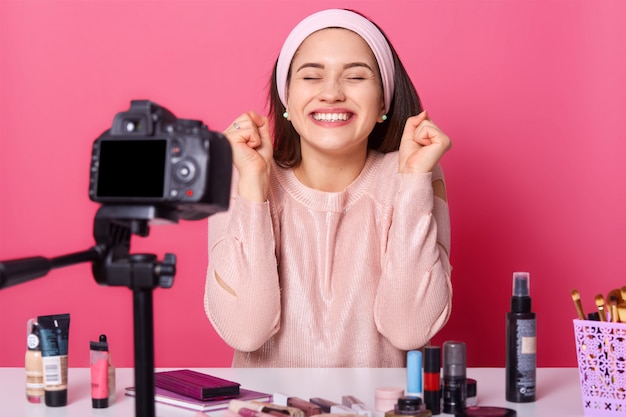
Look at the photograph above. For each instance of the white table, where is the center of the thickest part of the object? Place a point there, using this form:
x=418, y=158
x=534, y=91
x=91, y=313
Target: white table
x=558, y=390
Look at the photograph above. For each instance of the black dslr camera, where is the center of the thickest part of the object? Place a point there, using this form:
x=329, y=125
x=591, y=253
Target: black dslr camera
x=150, y=157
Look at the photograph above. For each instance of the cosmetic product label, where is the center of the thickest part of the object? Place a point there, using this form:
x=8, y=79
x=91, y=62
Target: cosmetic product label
x=528, y=345
x=526, y=356
x=54, y=370
x=34, y=382
x=99, y=379
x=521, y=358
x=454, y=394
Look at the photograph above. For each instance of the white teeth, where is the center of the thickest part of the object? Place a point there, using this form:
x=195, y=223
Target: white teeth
x=331, y=117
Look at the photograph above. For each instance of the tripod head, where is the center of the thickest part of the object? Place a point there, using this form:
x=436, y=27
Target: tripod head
x=149, y=166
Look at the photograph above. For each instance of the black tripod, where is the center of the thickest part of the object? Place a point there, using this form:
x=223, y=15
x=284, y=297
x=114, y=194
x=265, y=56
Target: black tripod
x=113, y=265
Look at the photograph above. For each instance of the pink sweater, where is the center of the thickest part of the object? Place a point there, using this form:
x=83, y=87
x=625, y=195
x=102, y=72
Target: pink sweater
x=317, y=279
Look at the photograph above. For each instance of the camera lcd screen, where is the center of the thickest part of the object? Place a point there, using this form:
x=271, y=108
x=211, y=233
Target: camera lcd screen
x=132, y=168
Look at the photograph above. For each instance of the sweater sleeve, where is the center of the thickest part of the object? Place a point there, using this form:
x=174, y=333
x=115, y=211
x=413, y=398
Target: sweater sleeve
x=242, y=294
x=415, y=293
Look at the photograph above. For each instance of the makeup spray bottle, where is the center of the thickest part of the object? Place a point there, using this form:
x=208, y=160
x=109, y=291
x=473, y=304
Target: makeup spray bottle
x=521, y=343
x=454, y=382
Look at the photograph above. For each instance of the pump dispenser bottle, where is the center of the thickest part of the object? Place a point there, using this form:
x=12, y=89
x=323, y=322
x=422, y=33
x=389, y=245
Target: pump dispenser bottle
x=521, y=343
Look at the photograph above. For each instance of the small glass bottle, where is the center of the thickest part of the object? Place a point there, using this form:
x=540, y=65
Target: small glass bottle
x=409, y=405
x=33, y=364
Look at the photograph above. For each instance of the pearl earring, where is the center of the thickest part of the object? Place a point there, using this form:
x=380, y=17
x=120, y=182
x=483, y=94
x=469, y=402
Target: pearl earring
x=286, y=115
x=384, y=117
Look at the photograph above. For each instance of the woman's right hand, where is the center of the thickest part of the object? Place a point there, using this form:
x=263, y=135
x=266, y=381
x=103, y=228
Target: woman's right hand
x=249, y=137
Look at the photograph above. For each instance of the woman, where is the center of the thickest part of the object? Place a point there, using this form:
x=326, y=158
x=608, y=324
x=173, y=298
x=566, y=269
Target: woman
x=334, y=252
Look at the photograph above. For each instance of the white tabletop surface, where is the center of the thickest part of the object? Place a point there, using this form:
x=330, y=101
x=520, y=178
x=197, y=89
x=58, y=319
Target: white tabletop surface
x=558, y=390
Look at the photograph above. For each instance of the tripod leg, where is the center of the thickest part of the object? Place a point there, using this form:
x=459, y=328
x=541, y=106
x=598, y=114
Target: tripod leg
x=144, y=352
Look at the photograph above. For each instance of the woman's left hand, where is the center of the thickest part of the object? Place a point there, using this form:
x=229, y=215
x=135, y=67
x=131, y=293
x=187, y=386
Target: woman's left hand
x=422, y=145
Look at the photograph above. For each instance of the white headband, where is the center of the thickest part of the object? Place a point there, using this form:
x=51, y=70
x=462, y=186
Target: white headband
x=341, y=19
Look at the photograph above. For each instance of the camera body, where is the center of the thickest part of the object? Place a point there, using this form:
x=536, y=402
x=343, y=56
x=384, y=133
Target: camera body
x=149, y=157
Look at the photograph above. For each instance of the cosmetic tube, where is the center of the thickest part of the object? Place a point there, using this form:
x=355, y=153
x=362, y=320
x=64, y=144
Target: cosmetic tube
x=99, y=361
x=33, y=364
x=521, y=343
x=432, y=378
x=414, y=373
x=454, y=377
x=54, y=331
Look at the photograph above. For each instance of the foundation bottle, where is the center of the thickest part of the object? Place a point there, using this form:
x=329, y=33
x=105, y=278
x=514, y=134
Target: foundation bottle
x=33, y=364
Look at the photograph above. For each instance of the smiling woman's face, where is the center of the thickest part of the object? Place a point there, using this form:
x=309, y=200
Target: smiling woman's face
x=335, y=96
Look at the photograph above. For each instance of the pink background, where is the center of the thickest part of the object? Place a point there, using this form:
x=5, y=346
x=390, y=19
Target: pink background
x=531, y=93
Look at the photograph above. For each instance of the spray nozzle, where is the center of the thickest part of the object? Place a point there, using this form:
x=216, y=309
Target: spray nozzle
x=521, y=284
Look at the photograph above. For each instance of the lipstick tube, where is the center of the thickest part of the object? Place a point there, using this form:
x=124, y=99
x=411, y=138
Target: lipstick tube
x=356, y=404
x=432, y=378
x=308, y=407
x=332, y=407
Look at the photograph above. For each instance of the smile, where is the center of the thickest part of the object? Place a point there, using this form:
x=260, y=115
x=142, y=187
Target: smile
x=331, y=117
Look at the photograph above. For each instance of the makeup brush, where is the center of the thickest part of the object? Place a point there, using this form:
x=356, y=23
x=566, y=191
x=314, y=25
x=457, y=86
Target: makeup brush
x=578, y=304
x=617, y=293
x=600, y=305
x=613, y=301
x=621, y=311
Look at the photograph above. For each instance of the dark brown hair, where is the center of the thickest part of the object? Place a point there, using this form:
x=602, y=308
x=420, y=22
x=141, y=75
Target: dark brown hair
x=385, y=137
